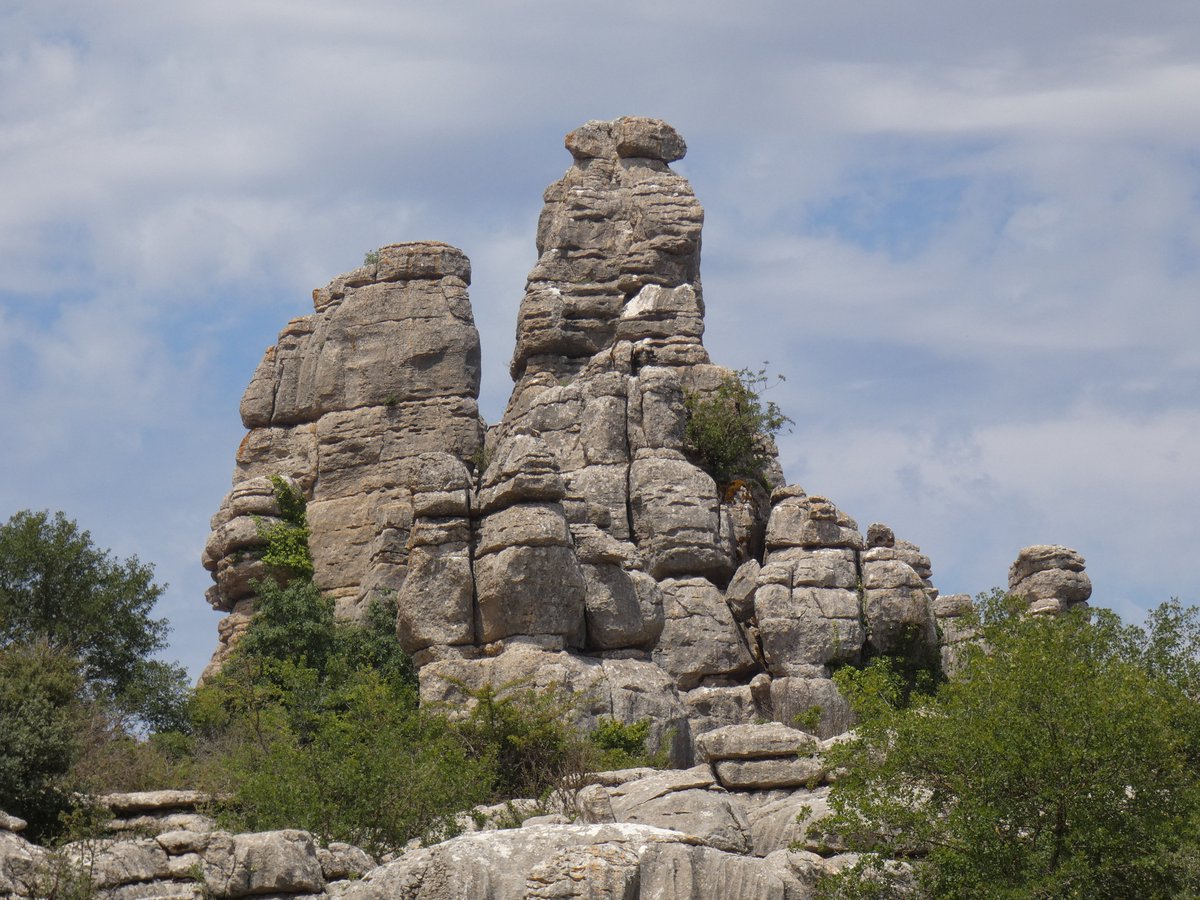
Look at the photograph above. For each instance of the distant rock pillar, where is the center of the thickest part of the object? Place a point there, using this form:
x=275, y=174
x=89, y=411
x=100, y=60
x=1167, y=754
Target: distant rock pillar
x=1050, y=578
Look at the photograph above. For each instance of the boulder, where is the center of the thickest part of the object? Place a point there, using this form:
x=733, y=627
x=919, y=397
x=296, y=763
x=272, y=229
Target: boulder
x=1051, y=578
x=700, y=639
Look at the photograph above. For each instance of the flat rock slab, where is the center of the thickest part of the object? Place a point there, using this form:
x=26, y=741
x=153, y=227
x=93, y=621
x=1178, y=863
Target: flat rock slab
x=636, y=793
x=765, y=774
x=152, y=801
x=772, y=739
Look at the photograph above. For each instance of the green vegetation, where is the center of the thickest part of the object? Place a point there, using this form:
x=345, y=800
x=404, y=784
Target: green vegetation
x=76, y=638
x=41, y=715
x=371, y=257
x=1060, y=761
x=729, y=430
x=317, y=726
x=287, y=551
x=57, y=587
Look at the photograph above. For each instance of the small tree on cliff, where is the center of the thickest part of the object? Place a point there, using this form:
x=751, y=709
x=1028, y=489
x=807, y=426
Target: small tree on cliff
x=729, y=429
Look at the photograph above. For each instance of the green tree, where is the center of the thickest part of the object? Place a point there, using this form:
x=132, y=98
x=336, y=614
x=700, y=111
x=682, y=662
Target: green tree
x=729, y=430
x=40, y=720
x=57, y=586
x=1058, y=762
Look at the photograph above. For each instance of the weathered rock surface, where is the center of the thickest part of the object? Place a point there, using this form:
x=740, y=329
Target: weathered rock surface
x=575, y=545
x=385, y=369
x=616, y=861
x=1050, y=578
x=184, y=863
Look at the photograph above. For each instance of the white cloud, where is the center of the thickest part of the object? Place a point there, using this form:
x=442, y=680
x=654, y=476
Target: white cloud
x=177, y=177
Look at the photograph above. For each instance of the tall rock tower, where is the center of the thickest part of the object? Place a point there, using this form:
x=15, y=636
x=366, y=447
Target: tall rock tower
x=576, y=544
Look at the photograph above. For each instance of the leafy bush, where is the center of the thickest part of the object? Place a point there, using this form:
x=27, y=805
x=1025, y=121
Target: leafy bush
x=1058, y=762
x=621, y=745
x=729, y=431
x=287, y=550
x=57, y=587
x=293, y=622
x=40, y=717
x=524, y=735
x=354, y=760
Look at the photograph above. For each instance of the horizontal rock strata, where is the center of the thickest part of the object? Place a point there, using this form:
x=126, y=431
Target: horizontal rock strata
x=575, y=544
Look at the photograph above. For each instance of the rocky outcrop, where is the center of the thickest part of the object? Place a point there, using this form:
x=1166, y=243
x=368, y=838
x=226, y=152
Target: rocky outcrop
x=714, y=830
x=384, y=370
x=575, y=544
x=186, y=863
x=1050, y=578
x=156, y=812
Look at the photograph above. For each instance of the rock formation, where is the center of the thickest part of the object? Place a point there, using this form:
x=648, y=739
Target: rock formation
x=1050, y=578
x=384, y=370
x=576, y=543
x=733, y=826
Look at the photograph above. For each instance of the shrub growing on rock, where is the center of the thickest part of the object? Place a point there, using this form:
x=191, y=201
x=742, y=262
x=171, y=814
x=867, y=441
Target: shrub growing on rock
x=729, y=430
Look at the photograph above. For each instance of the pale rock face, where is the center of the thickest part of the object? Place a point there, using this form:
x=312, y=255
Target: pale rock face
x=677, y=516
x=754, y=742
x=1050, y=578
x=526, y=590
x=387, y=368
x=700, y=640
x=573, y=545
x=627, y=689
x=624, y=608
x=619, y=220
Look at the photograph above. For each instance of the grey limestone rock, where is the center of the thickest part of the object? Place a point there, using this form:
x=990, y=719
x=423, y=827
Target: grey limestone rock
x=1050, y=577
x=619, y=220
x=624, y=689
x=341, y=860
x=754, y=741
x=385, y=369
x=499, y=865
x=283, y=862
x=766, y=774
x=118, y=863
x=530, y=591
x=687, y=801
x=20, y=862
x=624, y=608
x=700, y=639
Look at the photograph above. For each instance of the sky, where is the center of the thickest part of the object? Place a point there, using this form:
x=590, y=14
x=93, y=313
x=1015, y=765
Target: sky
x=968, y=235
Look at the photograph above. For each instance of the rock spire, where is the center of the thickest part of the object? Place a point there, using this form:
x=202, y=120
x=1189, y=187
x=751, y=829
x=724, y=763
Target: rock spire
x=576, y=543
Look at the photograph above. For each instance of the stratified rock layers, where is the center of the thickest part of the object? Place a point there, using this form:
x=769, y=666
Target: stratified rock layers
x=363, y=405
x=575, y=544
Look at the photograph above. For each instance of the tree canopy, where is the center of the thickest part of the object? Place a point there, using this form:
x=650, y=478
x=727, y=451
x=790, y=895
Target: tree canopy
x=1060, y=761
x=56, y=586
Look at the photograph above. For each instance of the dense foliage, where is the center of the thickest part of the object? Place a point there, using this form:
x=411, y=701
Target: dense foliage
x=286, y=552
x=729, y=430
x=57, y=587
x=76, y=673
x=316, y=725
x=40, y=719
x=1060, y=761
